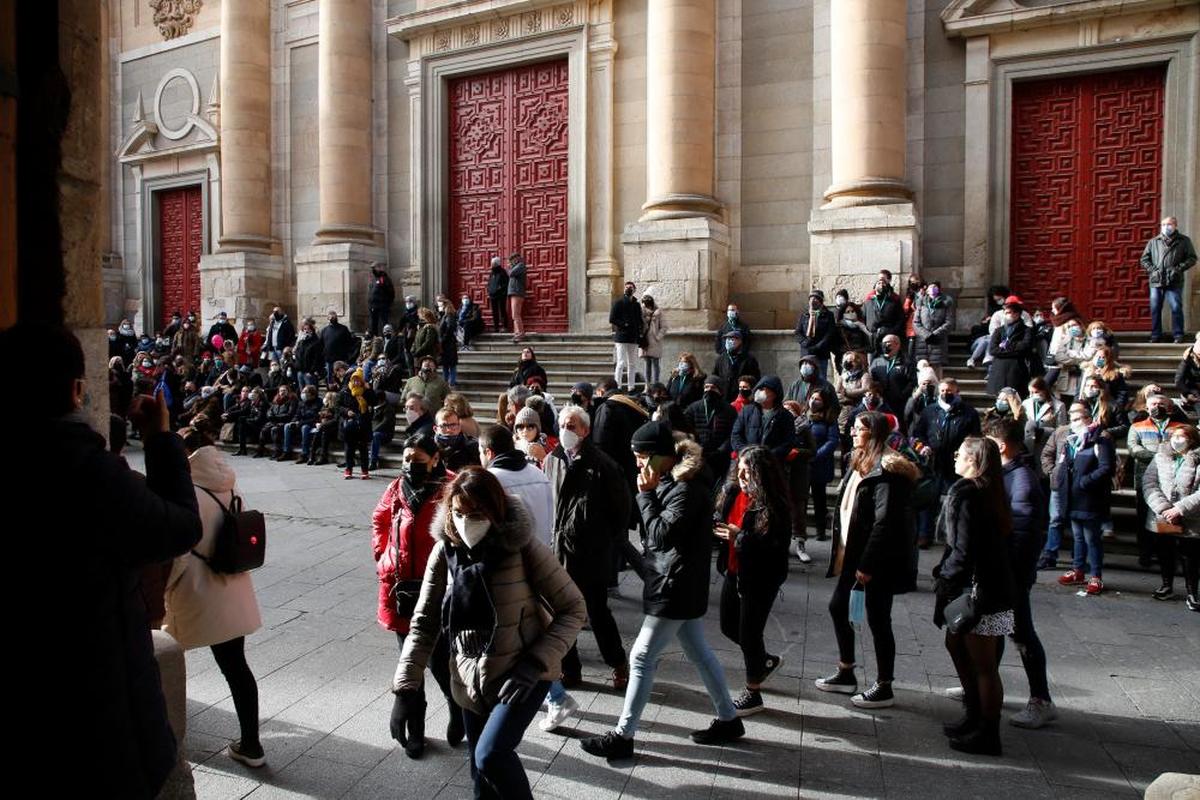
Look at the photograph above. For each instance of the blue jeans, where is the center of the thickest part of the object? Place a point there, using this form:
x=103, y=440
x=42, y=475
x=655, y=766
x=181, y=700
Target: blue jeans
x=377, y=440
x=492, y=744
x=451, y=375
x=979, y=348
x=1055, y=531
x=654, y=636
x=556, y=692
x=1175, y=300
x=308, y=379
x=1089, y=547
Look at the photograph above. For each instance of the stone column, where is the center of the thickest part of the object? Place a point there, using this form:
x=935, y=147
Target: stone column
x=869, y=39
x=679, y=250
x=334, y=271
x=243, y=276
x=868, y=221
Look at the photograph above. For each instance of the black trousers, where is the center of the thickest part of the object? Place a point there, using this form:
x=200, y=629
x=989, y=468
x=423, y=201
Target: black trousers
x=231, y=660
x=500, y=321
x=745, y=609
x=356, y=434
x=379, y=318
x=1033, y=654
x=1171, y=549
x=879, y=620
x=798, y=486
x=604, y=628
x=820, y=501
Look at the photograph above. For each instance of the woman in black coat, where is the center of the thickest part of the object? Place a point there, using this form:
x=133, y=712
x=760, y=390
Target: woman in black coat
x=754, y=520
x=976, y=522
x=874, y=539
x=1010, y=348
x=527, y=367
x=355, y=402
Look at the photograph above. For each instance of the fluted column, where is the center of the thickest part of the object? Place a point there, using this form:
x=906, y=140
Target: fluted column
x=869, y=40
x=245, y=126
x=344, y=109
x=680, y=108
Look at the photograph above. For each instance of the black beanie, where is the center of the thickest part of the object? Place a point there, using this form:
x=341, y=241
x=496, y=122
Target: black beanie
x=654, y=438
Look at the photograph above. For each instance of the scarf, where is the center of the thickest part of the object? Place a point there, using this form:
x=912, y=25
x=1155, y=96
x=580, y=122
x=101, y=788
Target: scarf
x=358, y=390
x=468, y=611
x=812, y=324
x=415, y=496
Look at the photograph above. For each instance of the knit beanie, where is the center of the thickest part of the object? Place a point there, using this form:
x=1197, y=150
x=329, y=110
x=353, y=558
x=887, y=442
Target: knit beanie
x=527, y=416
x=654, y=438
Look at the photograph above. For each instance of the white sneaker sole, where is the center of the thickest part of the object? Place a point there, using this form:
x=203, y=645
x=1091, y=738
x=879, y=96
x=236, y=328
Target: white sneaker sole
x=836, y=688
x=249, y=761
x=569, y=707
x=750, y=712
x=864, y=703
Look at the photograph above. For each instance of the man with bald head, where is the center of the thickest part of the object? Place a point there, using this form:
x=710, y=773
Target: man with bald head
x=1166, y=258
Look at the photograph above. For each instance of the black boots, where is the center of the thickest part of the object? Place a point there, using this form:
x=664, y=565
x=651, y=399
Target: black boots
x=983, y=741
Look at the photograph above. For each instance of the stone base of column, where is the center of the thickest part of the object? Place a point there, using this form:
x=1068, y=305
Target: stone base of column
x=684, y=264
x=604, y=280
x=243, y=284
x=336, y=276
x=850, y=245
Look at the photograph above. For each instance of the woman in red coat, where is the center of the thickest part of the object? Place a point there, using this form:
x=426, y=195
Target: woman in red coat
x=401, y=541
x=249, y=345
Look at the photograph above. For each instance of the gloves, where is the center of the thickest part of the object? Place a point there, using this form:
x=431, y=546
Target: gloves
x=522, y=678
x=408, y=713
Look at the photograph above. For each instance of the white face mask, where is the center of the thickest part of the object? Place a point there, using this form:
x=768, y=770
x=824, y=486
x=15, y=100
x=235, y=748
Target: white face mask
x=1179, y=444
x=570, y=440
x=1079, y=428
x=470, y=529
x=1168, y=229
x=412, y=416
x=760, y=396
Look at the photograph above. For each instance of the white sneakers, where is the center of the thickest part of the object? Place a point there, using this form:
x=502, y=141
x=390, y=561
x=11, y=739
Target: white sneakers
x=558, y=713
x=1035, y=714
x=801, y=554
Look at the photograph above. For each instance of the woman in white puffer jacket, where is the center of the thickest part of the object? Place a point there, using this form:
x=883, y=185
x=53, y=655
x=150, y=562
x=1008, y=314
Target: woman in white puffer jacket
x=204, y=609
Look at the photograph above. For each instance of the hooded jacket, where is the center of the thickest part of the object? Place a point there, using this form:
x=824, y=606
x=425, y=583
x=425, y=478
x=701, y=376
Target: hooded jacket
x=677, y=538
x=203, y=607
x=776, y=431
x=538, y=614
x=591, y=509
x=882, y=536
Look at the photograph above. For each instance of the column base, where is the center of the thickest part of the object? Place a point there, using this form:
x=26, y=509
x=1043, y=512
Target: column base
x=348, y=234
x=243, y=284
x=850, y=245
x=684, y=264
x=867, y=192
x=677, y=205
x=604, y=280
x=246, y=243
x=336, y=276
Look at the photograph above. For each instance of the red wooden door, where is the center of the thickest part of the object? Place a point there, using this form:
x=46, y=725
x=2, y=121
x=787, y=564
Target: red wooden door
x=1087, y=191
x=508, y=184
x=180, y=243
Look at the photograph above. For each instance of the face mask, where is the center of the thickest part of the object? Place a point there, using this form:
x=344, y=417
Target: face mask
x=850, y=315
x=1002, y=405
x=1179, y=444
x=146, y=365
x=416, y=473
x=934, y=291
x=1079, y=428
x=466, y=301
x=222, y=320
x=730, y=345
x=426, y=373
x=127, y=329
x=930, y=391
x=412, y=416
x=570, y=440
x=252, y=327
x=187, y=326
x=882, y=288
x=760, y=396
x=1075, y=332
x=684, y=368
x=1158, y=412
x=448, y=440
x=816, y=404
x=112, y=337
x=1038, y=319
x=278, y=315
x=470, y=529
x=871, y=401
x=1011, y=318
x=807, y=371
x=410, y=306
x=333, y=320
x=1168, y=229
x=841, y=302
x=948, y=399
x=274, y=368
x=628, y=292
x=1100, y=362
x=744, y=393
x=218, y=363
x=1091, y=393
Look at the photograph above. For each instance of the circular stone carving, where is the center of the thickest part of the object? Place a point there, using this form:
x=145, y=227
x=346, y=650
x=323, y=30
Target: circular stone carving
x=184, y=129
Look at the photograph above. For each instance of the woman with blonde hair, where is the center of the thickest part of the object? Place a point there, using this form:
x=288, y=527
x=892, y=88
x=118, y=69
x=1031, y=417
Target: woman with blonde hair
x=1103, y=364
x=459, y=404
x=685, y=384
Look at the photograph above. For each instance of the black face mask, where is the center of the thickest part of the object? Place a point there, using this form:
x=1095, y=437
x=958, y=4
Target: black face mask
x=931, y=392
x=744, y=393
x=445, y=440
x=416, y=472
x=278, y=315
x=577, y=399
x=816, y=405
x=1158, y=412
x=629, y=292
x=713, y=394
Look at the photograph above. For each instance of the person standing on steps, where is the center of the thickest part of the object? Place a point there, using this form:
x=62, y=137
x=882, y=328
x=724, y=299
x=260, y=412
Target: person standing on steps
x=650, y=346
x=497, y=292
x=517, y=278
x=380, y=297
x=1172, y=488
x=626, y=321
x=733, y=322
x=1165, y=259
x=337, y=344
x=677, y=512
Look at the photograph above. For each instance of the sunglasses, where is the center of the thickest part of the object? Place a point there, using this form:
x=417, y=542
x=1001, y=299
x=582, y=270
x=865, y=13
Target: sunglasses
x=523, y=427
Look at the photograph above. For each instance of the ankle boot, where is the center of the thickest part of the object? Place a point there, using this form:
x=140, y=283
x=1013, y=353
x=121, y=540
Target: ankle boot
x=983, y=741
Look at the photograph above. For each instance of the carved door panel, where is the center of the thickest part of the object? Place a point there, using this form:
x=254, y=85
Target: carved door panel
x=508, y=184
x=180, y=243
x=1086, y=191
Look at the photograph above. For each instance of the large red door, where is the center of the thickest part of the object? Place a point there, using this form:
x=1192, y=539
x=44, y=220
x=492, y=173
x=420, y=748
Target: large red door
x=1086, y=191
x=180, y=243
x=508, y=184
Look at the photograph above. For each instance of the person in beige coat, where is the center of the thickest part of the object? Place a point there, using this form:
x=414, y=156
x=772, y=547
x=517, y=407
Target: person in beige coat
x=204, y=609
x=511, y=612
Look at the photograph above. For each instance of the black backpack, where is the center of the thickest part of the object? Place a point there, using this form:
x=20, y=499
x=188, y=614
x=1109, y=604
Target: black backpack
x=241, y=543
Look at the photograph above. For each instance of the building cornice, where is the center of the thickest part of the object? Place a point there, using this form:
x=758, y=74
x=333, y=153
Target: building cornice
x=983, y=17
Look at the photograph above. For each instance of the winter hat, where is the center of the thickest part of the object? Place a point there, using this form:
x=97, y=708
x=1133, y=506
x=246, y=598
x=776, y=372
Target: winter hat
x=527, y=416
x=584, y=388
x=817, y=293
x=654, y=438
x=771, y=382
x=1014, y=300
x=714, y=381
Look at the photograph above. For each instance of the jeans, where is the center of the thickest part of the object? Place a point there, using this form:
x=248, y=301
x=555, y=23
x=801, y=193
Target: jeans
x=1054, y=533
x=289, y=432
x=879, y=620
x=652, y=371
x=820, y=502
x=308, y=379
x=745, y=609
x=626, y=362
x=231, y=660
x=556, y=692
x=1033, y=655
x=451, y=375
x=377, y=440
x=604, y=628
x=492, y=744
x=1089, y=547
x=979, y=349
x=1175, y=300
x=356, y=434
x=654, y=636
x=329, y=373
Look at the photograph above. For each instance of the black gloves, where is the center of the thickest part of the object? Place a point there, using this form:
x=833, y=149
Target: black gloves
x=522, y=678
x=408, y=713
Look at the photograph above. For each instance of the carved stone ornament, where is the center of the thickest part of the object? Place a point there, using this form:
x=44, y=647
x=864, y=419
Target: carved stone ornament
x=174, y=17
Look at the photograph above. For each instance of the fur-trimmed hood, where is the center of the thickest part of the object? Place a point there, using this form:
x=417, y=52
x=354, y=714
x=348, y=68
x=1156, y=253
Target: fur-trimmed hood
x=897, y=464
x=691, y=458
x=514, y=532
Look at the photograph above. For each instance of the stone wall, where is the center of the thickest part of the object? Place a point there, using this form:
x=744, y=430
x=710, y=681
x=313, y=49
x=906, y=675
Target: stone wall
x=629, y=115
x=304, y=202
x=776, y=351
x=399, y=178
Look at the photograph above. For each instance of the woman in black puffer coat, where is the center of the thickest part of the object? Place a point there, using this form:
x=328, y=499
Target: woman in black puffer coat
x=976, y=522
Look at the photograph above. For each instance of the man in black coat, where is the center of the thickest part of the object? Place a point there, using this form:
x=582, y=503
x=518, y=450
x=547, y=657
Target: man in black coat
x=626, y=321
x=713, y=418
x=380, y=297
x=616, y=420
x=766, y=422
x=591, y=509
x=223, y=327
x=884, y=313
x=733, y=322
x=895, y=375
x=937, y=434
x=127, y=522
x=338, y=344
x=735, y=362
x=816, y=330
x=281, y=333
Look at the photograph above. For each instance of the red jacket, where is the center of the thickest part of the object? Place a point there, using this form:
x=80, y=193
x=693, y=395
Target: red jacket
x=401, y=545
x=249, y=347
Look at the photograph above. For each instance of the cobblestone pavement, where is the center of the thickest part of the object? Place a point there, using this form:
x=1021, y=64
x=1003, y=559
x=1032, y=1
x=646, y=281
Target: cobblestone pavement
x=1124, y=669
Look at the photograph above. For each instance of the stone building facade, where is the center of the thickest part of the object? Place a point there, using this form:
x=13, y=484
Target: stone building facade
x=713, y=151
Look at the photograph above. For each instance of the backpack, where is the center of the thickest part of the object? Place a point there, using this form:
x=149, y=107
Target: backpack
x=241, y=543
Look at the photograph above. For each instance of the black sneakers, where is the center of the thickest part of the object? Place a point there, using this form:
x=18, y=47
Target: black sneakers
x=749, y=703
x=611, y=745
x=842, y=682
x=251, y=756
x=720, y=731
x=772, y=665
x=878, y=696
x=1164, y=592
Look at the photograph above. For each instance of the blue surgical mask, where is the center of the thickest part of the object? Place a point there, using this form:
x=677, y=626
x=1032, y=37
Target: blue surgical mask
x=684, y=368
x=1168, y=229
x=807, y=370
x=1001, y=405
x=731, y=315
x=730, y=345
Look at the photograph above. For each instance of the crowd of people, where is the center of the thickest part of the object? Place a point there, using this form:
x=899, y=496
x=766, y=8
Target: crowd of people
x=500, y=540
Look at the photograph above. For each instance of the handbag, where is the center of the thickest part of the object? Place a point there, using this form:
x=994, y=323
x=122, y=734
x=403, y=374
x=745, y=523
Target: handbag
x=404, y=594
x=961, y=614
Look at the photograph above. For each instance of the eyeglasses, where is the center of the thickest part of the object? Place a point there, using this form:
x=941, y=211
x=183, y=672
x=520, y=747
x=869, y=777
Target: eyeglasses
x=523, y=427
x=449, y=426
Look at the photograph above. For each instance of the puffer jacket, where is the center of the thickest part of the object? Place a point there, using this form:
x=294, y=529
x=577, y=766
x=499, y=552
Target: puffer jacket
x=204, y=608
x=932, y=324
x=713, y=420
x=1144, y=440
x=1165, y=259
x=882, y=537
x=1082, y=481
x=677, y=538
x=753, y=426
x=426, y=343
x=976, y=552
x=401, y=542
x=1028, y=504
x=1174, y=481
x=539, y=613
x=825, y=437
